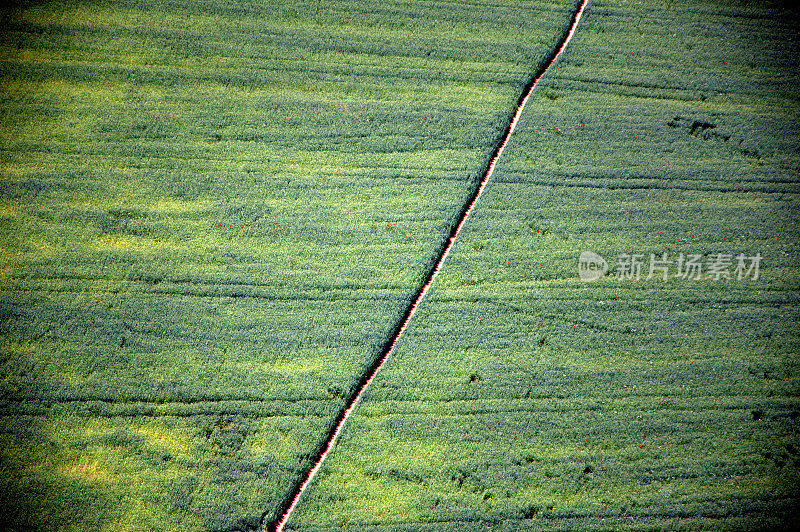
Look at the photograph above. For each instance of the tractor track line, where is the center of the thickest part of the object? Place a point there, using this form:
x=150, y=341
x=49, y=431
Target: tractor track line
x=366, y=379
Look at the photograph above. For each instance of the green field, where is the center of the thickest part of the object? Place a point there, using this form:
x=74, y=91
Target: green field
x=214, y=214
x=523, y=398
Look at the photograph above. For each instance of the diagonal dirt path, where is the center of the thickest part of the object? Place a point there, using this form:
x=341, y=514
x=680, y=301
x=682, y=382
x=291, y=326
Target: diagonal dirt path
x=366, y=379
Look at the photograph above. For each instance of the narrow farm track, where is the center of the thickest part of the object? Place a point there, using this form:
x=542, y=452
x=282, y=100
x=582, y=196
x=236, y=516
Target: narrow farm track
x=367, y=378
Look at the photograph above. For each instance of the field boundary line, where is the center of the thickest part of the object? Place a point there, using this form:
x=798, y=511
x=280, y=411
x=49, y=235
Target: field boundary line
x=297, y=492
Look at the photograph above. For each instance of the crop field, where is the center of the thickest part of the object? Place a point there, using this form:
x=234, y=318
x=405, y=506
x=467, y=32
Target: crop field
x=214, y=215
x=523, y=398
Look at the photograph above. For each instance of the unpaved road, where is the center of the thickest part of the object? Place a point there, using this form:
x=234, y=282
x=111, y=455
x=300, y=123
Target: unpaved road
x=378, y=364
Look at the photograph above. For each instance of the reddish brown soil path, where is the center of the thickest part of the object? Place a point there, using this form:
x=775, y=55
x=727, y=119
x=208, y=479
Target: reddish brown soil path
x=378, y=364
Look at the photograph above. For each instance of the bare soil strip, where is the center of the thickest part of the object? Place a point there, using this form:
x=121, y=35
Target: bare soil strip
x=366, y=379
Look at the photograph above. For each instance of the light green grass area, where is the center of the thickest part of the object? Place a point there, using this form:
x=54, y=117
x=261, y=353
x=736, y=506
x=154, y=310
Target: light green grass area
x=212, y=215
x=521, y=397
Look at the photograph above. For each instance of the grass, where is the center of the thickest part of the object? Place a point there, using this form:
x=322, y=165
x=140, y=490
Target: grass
x=213, y=215
x=551, y=403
